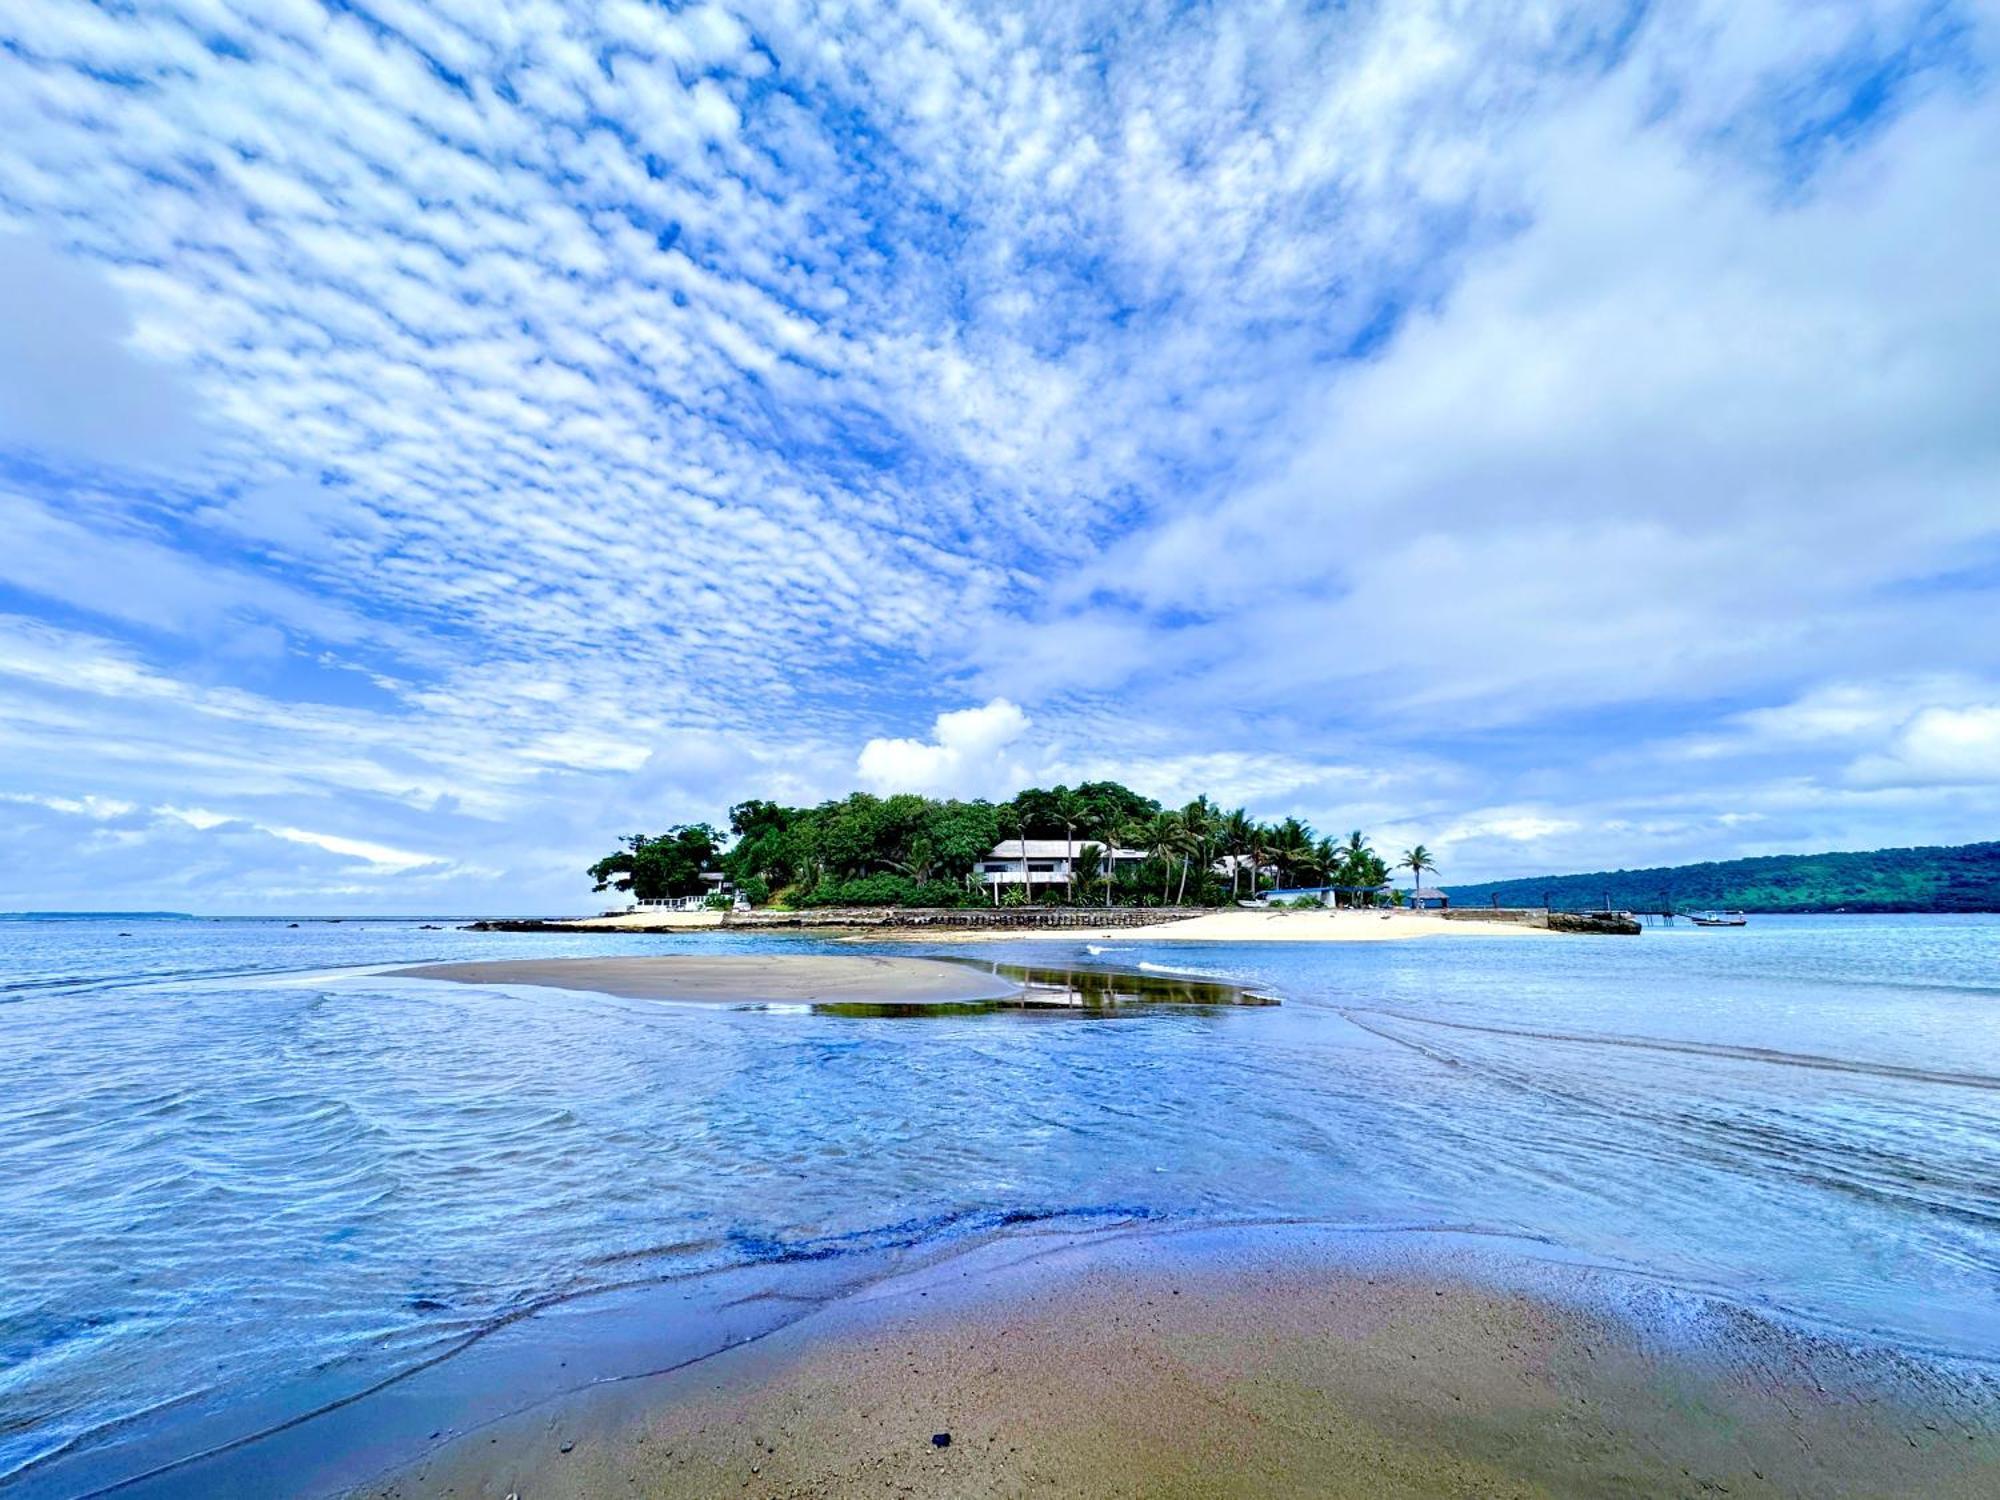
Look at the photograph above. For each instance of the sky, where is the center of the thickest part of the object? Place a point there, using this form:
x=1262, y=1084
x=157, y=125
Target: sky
x=438, y=439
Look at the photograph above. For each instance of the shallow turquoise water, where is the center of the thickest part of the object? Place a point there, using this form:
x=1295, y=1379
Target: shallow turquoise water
x=233, y=1190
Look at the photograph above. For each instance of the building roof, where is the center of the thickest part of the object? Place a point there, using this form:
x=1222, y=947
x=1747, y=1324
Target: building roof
x=1052, y=849
x=1428, y=893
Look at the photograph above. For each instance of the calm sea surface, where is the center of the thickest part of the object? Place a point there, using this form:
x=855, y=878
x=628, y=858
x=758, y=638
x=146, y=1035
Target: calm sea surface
x=234, y=1185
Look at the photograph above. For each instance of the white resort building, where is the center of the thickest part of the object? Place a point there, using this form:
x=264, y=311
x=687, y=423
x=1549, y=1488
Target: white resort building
x=1041, y=863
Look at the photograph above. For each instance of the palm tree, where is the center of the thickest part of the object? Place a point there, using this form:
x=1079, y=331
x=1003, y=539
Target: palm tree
x=1132, y=835
x=1326, y=860
x=1164, y=837
x=1416, y=861
x=1105, y=823
x=1199, y=823
x=1263, y=851
x=1007, y=821
x=1374, y=871
x=1356, y=861
x=1236, y=829
x=1291, y=846
x=1073, y=810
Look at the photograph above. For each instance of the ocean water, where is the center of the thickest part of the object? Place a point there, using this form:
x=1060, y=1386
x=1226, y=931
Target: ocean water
x=241, y=1181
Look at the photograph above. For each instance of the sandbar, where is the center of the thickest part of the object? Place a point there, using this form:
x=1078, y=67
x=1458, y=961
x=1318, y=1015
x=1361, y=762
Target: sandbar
x=1255, y=1364
x=739, y=979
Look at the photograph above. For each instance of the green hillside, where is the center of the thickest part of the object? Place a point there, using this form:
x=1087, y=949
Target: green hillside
x=1962, y=878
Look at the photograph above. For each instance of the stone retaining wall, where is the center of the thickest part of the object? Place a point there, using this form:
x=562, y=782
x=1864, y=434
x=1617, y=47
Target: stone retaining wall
x=1518, y=916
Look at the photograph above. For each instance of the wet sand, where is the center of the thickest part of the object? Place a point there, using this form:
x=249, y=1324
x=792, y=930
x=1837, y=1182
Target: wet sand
x=1249, y=1363
x=739, y=979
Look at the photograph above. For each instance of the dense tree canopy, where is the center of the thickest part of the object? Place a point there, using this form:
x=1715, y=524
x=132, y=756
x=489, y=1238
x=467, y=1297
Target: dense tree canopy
x=912, y=850
x=1965, y=877
x=660, y=868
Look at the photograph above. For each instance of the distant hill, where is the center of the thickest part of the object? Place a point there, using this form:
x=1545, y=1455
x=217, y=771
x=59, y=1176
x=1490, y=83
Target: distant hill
x=1961, y=878
x=95, y=916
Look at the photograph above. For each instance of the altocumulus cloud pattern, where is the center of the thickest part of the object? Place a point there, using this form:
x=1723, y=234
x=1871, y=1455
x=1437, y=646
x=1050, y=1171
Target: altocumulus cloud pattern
x=434, y=438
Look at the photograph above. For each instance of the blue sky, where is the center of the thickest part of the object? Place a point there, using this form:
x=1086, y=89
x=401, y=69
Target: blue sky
x=436, y=439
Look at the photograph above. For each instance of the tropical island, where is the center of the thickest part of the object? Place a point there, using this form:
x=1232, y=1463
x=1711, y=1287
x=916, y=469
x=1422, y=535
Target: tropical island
x=1101, y=844
x=1096, y=844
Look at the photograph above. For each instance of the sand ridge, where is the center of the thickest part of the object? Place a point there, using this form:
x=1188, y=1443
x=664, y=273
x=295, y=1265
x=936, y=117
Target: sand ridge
x=738, y=979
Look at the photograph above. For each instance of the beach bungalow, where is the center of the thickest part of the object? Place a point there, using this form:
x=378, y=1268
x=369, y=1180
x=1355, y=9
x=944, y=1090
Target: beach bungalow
x=714, y=883
x=1429, y=897
x=1039, y=863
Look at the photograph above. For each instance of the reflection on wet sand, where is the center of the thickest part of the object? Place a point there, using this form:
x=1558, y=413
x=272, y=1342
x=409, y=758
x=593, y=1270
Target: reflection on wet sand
x=1062, y=989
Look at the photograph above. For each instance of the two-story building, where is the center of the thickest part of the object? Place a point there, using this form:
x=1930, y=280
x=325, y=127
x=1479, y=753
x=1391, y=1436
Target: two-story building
x=1041, y=864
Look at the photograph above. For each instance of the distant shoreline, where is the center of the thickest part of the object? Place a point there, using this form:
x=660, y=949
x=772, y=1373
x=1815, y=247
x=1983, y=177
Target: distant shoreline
x=1236, y=925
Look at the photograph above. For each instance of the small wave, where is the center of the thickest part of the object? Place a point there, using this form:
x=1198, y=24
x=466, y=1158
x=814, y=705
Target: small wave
x=1699, y=1049
x=1152, y=968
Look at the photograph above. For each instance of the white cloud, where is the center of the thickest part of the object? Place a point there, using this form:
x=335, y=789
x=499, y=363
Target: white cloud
x=1383, y=412
x=374, y=854
x=971, y=753
x=1939, y=746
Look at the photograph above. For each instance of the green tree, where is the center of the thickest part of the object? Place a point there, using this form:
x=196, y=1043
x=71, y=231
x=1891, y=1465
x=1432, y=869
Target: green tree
x=1291, y=848
x=1235, y=837
x=660, y=868
x=1105, y=821
x=1417, y=861
x=1009, y=823
x=1072, y=811
x=1164, y=838
x=1199, y=822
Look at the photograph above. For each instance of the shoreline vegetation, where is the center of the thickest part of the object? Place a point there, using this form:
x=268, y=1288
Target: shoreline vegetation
x=1119, y=849
x=1101, y=844
x=1226, y=925
x=1239, y=1361
x=1924, y=879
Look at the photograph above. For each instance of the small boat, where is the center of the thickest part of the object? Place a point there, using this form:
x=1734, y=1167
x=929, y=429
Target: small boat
x=1718, y=919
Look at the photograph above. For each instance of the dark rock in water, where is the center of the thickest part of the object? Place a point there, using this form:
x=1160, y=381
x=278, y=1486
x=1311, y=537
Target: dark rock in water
x=940, y=1440
x=566, y=1447
x=1615, y=923
x=291, y=924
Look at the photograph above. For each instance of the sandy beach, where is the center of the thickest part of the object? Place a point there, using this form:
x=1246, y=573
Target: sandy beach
x=1226, y=925
x=738, y=980
x=1244, y=1362
x=1241, y=925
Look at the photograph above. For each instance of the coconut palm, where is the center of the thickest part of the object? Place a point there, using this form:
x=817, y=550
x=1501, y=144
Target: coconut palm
x=1163, y=838
x=1106, y=825
x=1416, y=861
x=1356, y=862
x=1326, y=861
x=1132, y=835
x=1236, y=829
x=1008, y=823
x=1073, y=811
x=1263, y=851
x=1291, y=846
x=1198, y=822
